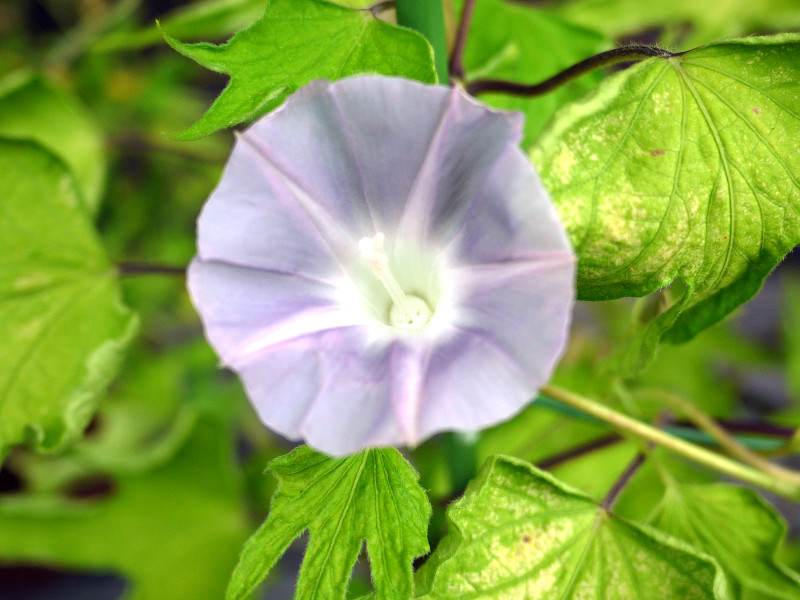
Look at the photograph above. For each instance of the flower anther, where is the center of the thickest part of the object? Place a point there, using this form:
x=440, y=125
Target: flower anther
x=408, y=311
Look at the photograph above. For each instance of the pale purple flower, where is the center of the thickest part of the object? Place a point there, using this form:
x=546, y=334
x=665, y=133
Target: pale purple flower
x=380, y=262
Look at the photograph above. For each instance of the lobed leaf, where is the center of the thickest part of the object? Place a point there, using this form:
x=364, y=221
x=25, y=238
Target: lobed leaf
x=683, y=168
x=519, y=533
x=372, y=496
x=293, y=43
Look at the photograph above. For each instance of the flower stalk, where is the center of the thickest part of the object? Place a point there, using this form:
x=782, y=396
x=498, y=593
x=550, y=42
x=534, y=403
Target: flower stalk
x=457, y=58
x=427, y=18
x=728, y=442
x=781, y=486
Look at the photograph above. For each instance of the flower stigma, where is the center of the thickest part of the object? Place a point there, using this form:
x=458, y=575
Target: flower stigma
x=408, y=311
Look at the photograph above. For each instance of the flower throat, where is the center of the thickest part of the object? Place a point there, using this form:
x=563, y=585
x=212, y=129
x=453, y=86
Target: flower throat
x=408, y=311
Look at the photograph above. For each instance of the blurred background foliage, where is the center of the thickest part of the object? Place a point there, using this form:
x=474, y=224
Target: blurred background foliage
x=154, y=502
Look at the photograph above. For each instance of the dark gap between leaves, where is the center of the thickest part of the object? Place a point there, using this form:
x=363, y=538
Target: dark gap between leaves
x=11, y=482
x=29, y=582
x=91, y=487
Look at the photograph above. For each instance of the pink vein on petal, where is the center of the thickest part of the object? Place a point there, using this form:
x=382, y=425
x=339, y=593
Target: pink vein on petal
x=408, y=371
x=499, y=273
x=417, y=205
x=325, y=223
x=337, y=110
x=301, y=324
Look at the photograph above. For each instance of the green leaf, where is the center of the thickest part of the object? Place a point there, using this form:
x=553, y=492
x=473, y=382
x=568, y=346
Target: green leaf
x=356, y=3
x=518, y=43
x=213, y=19
x=153, y=408
x=31, y=108
x=519, y=533
x=620, y=18
x=682, y=169
x=62, y=324
x=372, y=496
x=295, y=42
x=735, y=526
x=708, y=370
x=173, y=532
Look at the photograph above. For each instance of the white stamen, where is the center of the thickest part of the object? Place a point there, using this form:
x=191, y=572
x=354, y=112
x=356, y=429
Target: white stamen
x=408, y=311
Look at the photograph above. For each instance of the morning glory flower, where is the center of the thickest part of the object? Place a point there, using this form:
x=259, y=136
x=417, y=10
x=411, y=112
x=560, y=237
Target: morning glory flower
x=380, y=262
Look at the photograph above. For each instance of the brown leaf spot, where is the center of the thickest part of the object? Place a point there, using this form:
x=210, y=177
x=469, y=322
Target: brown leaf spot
x=657, y=152
x=757, y=110
x=526, y=538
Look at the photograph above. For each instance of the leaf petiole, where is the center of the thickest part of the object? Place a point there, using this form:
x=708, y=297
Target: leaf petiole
x=456, y=59
x=698, y=454
x=728, y=442
x=427, y=17
x=139, y=268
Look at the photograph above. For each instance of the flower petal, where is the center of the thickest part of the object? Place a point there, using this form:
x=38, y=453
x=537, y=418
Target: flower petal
x=290, y=304
x=246, y=311
x=510, y=219
x=306, y=143
x=468, y=141
x=470, y=383
x=331, y=389
x=254, y=219
x=439, y=143
x=523, y=308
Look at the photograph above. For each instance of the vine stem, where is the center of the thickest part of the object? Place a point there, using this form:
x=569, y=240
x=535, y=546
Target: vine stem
x=138, y=268
x=622, y=482
x=728, y=442
x=791, y=446
x=427, y=18
x=457, y=58
x=578, y=451
x=625, y=478
x=604, y=59
x=694, y=435
x=133, y=143
x=656, y=436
